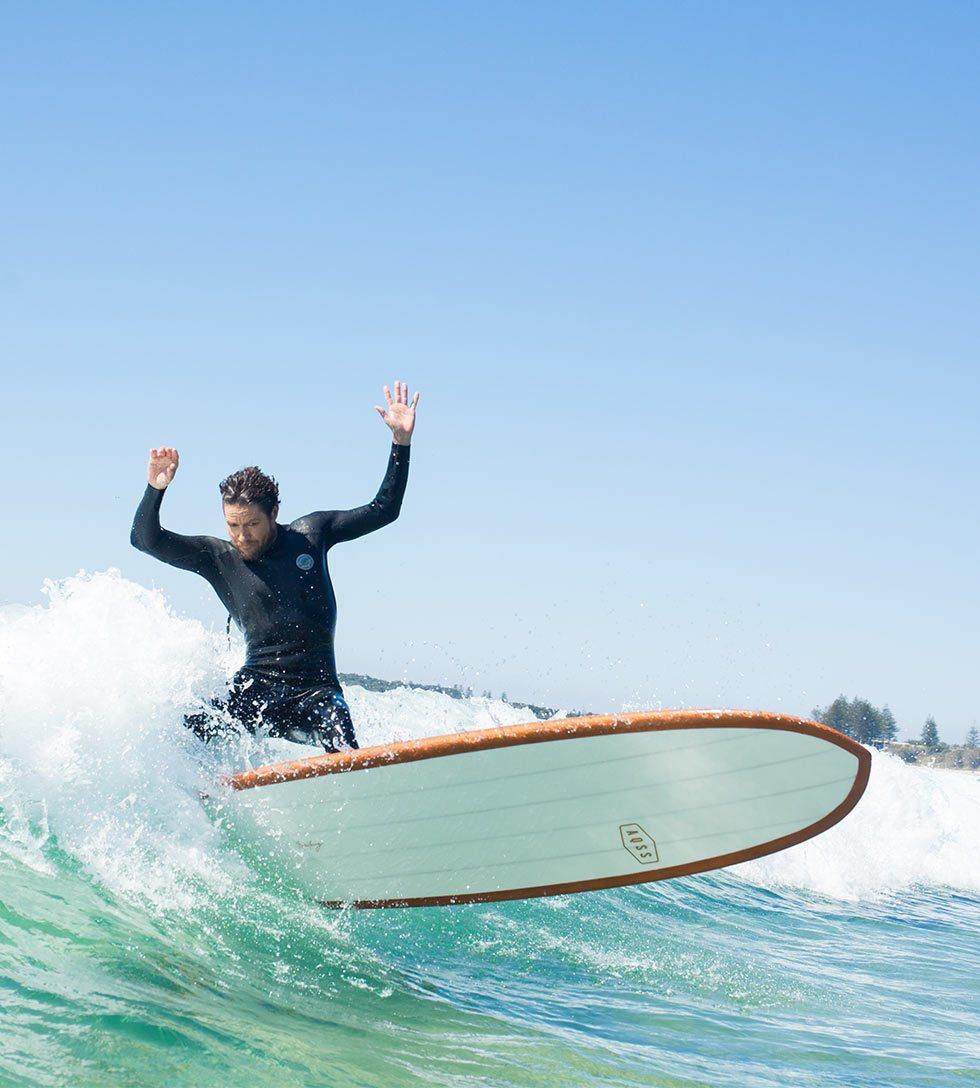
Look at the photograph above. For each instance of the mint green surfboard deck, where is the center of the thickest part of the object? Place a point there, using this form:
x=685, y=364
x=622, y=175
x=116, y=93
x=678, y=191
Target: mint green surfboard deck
x=547, y=808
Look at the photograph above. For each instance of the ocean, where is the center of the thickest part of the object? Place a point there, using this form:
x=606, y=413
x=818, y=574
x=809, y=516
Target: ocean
x=139, y=945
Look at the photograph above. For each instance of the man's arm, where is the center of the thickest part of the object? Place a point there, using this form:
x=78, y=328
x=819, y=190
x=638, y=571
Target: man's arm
x=194, y=553
x=339, y=525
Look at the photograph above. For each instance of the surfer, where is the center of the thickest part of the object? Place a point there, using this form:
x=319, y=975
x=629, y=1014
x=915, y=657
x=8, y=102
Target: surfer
x=274, y=581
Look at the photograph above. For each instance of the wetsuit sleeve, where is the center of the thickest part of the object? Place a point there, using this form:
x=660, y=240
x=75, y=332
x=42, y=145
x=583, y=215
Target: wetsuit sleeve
x=194, y=553
x=338, y=525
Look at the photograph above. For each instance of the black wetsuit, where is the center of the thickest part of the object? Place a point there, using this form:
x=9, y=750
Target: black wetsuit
x=284, y=604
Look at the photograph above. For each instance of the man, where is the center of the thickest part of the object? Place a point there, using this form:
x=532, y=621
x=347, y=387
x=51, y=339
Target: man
x=273, y=580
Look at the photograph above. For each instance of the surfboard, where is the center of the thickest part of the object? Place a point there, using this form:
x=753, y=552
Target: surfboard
x=547, y=808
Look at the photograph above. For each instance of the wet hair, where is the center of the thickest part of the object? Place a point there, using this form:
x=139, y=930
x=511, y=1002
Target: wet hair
x=250, y=485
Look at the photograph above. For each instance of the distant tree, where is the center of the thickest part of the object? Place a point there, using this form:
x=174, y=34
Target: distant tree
x=864, y=721
x=971, y=737
x=930, y=735
x=888, y=729
x=837, y=715
x=860, y=720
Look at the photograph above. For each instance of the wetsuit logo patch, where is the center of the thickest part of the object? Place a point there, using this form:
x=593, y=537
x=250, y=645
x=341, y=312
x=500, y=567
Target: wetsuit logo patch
x=304, y=561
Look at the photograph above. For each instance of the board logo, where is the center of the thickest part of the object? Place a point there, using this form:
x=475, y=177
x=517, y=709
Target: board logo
x=639, y=843
x=304, y=561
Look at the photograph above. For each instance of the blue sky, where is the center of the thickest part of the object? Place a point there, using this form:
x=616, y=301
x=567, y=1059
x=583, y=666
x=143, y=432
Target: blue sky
x=689, y=291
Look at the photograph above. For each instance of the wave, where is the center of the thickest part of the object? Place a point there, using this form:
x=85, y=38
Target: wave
x=96, y=764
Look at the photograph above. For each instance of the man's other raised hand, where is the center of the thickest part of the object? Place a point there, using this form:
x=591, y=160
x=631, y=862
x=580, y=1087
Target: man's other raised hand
x=163, y=464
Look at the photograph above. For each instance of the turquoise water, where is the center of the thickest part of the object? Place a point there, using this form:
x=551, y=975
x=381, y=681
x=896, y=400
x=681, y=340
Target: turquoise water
x=138, y=947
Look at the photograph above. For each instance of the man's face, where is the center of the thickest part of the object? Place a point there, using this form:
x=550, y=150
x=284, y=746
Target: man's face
x=250, y=528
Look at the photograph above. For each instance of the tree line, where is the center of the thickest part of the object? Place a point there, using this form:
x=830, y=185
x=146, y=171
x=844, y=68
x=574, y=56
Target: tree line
x=876, y=726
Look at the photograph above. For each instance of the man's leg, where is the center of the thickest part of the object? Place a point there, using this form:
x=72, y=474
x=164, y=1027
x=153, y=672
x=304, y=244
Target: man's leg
x=320, y=717
x=208, y=724
x=337, y=729
x=242, y=708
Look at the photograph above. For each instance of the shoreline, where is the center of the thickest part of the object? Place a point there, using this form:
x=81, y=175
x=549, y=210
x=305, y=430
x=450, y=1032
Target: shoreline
x=950, y=757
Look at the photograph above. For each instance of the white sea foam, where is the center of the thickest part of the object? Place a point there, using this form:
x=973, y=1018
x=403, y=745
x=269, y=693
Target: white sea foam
x=93, y=755
x=91, y=690
x=914, y=826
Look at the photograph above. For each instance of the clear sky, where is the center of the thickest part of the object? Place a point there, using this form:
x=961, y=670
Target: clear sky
x=690, y=292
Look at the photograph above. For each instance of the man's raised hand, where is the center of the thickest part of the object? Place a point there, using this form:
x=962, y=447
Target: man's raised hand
x=163, y=464
x=400, y=414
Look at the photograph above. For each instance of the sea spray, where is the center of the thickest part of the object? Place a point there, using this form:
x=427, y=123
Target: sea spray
x=92, y=690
